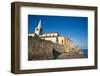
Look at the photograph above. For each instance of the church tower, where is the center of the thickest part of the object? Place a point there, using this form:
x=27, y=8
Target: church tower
x=38, y=29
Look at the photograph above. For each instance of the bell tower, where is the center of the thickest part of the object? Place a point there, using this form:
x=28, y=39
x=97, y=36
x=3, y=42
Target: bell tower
x=38, y=29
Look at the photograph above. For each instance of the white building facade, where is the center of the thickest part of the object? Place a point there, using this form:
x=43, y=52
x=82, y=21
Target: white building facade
x=53, y=37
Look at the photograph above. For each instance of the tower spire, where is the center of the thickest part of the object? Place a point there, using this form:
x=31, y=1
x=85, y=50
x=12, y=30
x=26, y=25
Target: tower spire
x=38, y=29
x=39, y=24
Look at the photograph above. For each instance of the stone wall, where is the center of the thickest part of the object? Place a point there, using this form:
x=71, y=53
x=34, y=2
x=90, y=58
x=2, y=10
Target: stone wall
x=39, y=49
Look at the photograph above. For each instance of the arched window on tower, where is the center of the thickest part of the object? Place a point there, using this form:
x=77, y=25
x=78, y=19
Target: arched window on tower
x=37, y=29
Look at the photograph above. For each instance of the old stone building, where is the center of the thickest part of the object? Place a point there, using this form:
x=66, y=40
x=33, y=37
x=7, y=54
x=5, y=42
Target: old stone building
x=51, y=46
x=55, y=37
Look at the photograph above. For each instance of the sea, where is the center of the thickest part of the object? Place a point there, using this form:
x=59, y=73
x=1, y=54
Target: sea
x=85, y=51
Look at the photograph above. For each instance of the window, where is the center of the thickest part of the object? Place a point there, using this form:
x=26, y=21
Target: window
x=37, y=29
x=62, y=41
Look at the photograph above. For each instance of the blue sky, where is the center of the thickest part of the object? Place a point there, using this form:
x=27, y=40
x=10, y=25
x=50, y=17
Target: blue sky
x=76, y=28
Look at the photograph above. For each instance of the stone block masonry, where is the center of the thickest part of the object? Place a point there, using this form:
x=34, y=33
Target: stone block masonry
x=39, y=49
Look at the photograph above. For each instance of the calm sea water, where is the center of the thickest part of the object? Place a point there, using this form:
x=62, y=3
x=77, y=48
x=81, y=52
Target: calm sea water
x=85, y=52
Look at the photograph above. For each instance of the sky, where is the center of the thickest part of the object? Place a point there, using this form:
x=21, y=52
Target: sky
x=75, y=28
